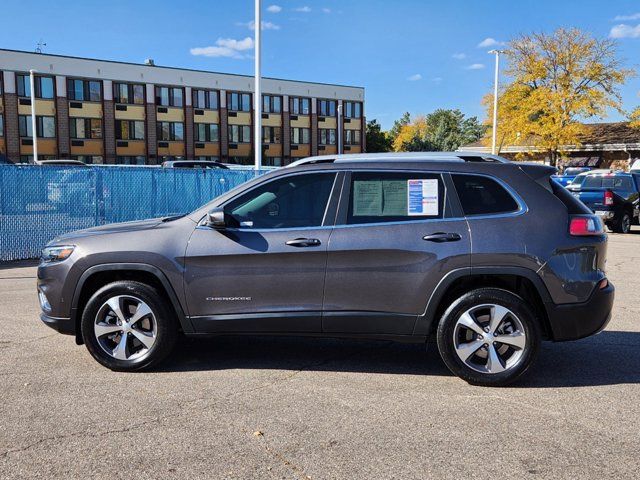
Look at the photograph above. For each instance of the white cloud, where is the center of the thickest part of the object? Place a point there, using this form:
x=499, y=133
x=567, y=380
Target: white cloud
x=459, y=56
x=489, y=42
x=475, y=66
x=274, y=9
x=304, y=9
x=415, y=77
x=326, y=10
x=265, y=25
x=625, y=31
x=437, y=79
x=225, y=47
x=624, y=18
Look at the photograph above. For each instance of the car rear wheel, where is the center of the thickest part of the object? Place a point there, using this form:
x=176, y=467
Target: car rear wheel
x=128, y=326
x=488, y=337
x=623, y=224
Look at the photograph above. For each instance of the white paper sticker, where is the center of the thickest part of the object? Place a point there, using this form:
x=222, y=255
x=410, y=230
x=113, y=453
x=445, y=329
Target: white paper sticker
x=422, y=197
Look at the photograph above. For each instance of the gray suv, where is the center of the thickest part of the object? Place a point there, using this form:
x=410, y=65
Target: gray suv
x=489, y=256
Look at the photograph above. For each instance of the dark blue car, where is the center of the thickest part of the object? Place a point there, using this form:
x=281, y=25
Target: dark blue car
x=569, y=174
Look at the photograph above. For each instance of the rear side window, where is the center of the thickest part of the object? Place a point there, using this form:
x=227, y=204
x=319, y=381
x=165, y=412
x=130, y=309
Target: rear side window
x=483, y=196
x=614, y=183
x=394, y=197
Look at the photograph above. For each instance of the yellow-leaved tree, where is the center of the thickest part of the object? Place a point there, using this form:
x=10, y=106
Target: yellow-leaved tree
x=555, y=82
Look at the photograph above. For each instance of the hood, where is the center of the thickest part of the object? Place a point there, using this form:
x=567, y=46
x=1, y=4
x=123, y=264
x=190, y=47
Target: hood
x=124, y=227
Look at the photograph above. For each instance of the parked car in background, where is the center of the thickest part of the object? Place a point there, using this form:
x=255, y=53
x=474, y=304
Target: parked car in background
x=576, y=183
x=635, y=167
x=193, y=164
x=569, y=174
x=62, y=163
x=362, y=245
x=613, y=197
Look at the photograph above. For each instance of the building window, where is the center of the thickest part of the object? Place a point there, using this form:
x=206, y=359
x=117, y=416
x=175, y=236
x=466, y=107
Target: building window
x=89, y=159
x=238, y=102
x=128, y=93
x=170, y=131
x=299, y=106
x=271, y=104
x=43, y=85
x=300, y=136
x=272, y=161
x=84, y=90
x=327, y=108
x=45, y=126
x=207, y=99
x=207, y=132
x=129, y=130
x=239, y=134
x=85, y=128
x=352, y=110
x=169, y=97
x=237, y=160
x=327, y=136
x=207, y=158
x=139, y=160
x=271, y=135
x=352, y=137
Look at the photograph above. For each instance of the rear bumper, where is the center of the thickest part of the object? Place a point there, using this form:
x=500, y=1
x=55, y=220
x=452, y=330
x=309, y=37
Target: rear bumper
x=63, y=325
x=579, y=320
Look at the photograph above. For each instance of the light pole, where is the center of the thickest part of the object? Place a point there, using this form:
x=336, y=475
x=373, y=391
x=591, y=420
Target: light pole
x=34, y=132
x=494, y=133
x=257, y=96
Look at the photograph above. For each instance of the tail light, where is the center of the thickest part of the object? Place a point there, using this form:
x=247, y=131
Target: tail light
x=608, y=197
x=584, y=225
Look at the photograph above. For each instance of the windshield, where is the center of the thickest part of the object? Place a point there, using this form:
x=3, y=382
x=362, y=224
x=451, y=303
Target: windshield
x=612, y=183
x=579, y=180
x=574, y=171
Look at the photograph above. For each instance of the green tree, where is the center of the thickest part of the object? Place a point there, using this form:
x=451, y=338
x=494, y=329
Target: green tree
x=377, y=140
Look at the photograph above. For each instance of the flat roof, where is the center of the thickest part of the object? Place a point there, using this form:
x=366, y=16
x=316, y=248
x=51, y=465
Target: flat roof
x=71, y=57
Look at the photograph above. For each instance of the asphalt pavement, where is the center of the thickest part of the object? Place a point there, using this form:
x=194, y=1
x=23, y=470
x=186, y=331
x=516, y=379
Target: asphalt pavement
x=306, y=408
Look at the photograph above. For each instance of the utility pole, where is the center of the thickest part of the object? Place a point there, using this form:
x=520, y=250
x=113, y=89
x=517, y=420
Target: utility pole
x=257, y=96
x=339, y=122
x=34, y=131
x=494, y=133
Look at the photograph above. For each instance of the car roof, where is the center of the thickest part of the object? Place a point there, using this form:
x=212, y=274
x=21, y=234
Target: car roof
x=401, y=156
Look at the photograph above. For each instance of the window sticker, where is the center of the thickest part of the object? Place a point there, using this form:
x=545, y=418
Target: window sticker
x=422, y=197
x=367, y=199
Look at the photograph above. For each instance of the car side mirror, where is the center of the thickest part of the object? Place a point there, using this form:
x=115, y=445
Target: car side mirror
x=217, y=219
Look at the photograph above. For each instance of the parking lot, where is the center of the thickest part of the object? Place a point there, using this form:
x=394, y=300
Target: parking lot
x=306, y=408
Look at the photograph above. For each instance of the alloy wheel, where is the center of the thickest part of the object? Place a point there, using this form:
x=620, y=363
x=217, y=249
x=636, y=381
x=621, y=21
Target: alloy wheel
x=489, y=338
x=125, y=327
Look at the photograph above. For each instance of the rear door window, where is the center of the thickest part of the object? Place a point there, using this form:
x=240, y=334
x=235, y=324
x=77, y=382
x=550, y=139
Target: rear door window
x=481, y=195
x=394, y=197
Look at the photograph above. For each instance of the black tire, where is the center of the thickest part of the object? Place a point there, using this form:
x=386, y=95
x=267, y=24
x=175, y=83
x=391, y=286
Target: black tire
x=622, y=224
x=165, y=333
x=476, y=299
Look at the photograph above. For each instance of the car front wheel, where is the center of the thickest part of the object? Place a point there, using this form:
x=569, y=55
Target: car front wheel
x=128, y=326
x=488, y=337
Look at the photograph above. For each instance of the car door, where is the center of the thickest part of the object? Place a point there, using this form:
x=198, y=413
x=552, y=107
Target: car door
x=396, y=236
x=265, y=272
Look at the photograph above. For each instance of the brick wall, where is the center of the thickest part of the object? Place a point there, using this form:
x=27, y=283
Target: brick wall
x=286, y=138
x=62, y=127
x=224, y=135
x=314, y=134
x=188, y=132
x=152, y=140
x=12, y=132
x=109, y=133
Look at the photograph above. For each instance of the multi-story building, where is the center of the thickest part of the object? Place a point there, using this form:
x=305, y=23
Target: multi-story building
x=102, y=111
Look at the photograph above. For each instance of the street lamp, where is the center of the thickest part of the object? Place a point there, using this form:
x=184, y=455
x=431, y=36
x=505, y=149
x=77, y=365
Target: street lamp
x=257, y=96
x=34, y=133
x=495, y=101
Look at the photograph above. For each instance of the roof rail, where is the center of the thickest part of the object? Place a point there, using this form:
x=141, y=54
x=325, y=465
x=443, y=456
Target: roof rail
x=402, y=156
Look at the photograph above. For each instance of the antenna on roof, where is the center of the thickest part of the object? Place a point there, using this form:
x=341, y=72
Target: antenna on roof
x=39, y=46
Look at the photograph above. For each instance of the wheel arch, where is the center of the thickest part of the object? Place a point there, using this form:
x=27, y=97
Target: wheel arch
x=97, y=276
x=519, y=280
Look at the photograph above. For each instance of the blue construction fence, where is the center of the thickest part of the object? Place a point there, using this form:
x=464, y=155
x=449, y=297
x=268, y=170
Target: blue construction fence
x=38, y=203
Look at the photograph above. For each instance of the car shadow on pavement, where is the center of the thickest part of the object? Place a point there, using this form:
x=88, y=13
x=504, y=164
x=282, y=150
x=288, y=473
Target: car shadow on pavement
x=612, y=357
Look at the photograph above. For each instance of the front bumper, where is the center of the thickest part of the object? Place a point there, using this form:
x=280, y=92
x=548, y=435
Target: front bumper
x=63, y=325
x=578, y=320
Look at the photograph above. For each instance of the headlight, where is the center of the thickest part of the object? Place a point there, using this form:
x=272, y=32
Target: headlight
x=57, y=253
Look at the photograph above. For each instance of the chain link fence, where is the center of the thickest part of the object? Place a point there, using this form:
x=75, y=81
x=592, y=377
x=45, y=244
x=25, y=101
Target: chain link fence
x=38, y=203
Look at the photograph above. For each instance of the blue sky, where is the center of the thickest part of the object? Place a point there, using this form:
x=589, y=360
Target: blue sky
x=409, y=55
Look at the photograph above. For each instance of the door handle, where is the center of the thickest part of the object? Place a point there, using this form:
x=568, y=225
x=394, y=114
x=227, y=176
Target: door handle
x=440, y=237
x=304, y=242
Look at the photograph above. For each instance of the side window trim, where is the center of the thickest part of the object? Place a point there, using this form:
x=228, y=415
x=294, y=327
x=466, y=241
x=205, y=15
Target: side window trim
x=522, y=206
x=330, y=208
x=343, y=209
